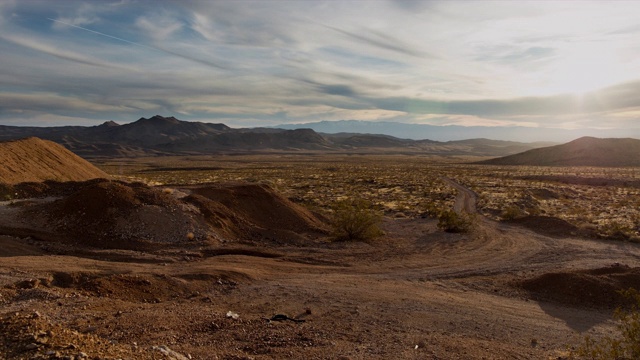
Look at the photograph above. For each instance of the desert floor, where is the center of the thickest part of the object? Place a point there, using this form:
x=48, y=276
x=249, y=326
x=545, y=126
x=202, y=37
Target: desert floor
x=415, y=293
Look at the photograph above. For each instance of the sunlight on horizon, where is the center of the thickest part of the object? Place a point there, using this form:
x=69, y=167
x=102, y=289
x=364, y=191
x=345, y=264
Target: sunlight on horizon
x=582, y=69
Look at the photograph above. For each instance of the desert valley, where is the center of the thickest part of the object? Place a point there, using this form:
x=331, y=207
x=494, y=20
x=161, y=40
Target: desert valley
x=179, y=240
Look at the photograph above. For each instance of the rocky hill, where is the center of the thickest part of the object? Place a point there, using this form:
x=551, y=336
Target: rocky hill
x=585, y=151
x=36, y=160
x=160, y=135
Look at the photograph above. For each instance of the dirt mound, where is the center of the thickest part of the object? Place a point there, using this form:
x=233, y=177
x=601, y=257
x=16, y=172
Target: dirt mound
x=255, y=211
x=547, y=225
x=596, y=288
x=36, y=160
x=116, y=215
x=111, y=214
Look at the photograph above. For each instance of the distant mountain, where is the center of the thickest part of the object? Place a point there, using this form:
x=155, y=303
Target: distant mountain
x=160, y=135
x=453, y=132
x=585, y=151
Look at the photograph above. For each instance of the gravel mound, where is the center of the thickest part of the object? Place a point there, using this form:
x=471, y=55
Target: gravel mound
x=110, y=214
x=594, y=288
x=255, y=211
x=132, y=216
x=547, y=225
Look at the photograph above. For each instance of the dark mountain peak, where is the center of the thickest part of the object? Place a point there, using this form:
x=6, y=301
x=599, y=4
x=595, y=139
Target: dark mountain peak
x=159, y=120
x=108, y=124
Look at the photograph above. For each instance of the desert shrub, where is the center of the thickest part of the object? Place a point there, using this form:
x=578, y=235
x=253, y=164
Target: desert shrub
x=355, y=220
x=512, y=212
x=451, y=221
x=430, y=209
x=626, y=345
x=615, y=230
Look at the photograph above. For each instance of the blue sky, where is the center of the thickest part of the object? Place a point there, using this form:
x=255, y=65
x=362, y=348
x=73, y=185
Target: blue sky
x=549, y=64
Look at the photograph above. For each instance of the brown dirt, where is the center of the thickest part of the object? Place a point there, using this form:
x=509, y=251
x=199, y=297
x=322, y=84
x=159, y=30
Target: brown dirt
x=36, y=160
x=256, y=211
x=416, y=293
x=547, y=225
x=600, y=287
x=116, y=215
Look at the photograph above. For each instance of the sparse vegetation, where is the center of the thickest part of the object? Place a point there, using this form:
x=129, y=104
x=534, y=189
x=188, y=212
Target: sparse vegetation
x=512, y=212
x=615, y=230
x=451, y=221
x=587, y=197
x=624, y=345
x=355, y=220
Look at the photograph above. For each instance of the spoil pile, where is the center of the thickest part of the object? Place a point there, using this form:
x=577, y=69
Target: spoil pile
x=593, y=288
x=111, y=214
x=255, y=212
x=547, y=225
x=133, y=216
x=36, y=160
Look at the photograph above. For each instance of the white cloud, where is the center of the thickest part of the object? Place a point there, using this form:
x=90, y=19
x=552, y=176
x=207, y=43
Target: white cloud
x=84, y=14
x=464, y=62
x=158, y=25
x=54, y=51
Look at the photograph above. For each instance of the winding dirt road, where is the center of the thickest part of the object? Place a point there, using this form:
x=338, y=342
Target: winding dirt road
x=466, y=198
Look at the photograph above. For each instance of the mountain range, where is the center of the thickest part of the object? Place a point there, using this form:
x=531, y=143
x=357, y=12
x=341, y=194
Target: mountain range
x=454, y=132
x=160, y=135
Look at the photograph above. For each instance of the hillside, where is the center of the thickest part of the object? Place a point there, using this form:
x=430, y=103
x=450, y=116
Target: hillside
x=36, y=160
x=160, y=135
x=585, y=151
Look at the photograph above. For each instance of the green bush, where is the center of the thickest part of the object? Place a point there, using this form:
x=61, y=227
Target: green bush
x=355, y=220
x=624, y=346
x=451, y=221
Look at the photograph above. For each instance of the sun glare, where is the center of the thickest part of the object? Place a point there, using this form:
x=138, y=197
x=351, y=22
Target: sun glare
x=582, y=69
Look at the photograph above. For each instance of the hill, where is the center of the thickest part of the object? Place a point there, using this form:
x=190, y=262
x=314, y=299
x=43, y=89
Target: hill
x=160, y=135
x=36, y=160
x=585, y=151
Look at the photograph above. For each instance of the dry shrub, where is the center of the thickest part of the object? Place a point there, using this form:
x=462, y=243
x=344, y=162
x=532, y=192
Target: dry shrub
x=355, y=220
x=451, y=221
x=512, y=212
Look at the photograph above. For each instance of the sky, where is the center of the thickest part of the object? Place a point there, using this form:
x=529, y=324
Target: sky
x=547, y=64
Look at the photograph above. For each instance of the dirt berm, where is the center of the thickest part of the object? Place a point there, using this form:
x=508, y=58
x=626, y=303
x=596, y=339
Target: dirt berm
x=36, y=160
x=117, y=215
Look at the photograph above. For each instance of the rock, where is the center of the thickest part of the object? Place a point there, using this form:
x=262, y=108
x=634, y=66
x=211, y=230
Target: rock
x=170, y=354
x=232, y=315
x=28, y=284
x=31, y=346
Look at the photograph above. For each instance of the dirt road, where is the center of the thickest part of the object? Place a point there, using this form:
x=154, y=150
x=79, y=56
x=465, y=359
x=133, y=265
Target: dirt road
x=466, y=198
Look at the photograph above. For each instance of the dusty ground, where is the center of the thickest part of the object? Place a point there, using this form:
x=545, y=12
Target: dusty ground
x=416, y=293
